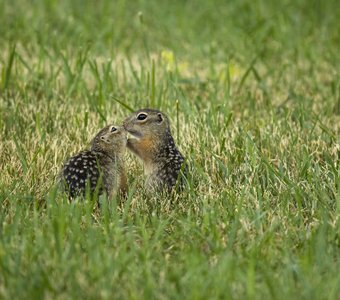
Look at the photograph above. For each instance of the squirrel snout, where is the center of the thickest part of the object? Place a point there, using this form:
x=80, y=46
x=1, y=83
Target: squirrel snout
x=128, y=127
x=125, y=125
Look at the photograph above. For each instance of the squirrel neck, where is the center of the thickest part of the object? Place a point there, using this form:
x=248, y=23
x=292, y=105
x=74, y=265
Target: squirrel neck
x=112, y=157
x=162, y=153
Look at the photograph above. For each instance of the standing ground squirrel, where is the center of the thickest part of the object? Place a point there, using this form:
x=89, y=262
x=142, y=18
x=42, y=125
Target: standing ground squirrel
x=153, y=143
x=102, y=167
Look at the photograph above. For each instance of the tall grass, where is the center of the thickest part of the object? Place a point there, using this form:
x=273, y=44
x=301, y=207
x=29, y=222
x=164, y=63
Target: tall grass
x=252, y=89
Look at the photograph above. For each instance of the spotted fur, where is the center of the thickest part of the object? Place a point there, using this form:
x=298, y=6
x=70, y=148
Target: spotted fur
x=166, y=165
x=97, y=170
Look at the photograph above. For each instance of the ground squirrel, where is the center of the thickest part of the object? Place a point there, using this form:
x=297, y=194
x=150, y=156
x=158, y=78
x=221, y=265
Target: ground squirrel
x=101, y=167
x=153, y=143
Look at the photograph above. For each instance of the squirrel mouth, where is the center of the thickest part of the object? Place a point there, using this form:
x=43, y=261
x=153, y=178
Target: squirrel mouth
x=133, y=134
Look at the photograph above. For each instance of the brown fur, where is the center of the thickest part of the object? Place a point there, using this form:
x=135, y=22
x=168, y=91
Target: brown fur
x=153, y=143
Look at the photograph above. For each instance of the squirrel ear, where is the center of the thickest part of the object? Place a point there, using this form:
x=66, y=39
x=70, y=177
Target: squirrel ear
x=160, y=118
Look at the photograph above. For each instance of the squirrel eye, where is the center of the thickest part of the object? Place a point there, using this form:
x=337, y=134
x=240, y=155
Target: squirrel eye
x=141, y=116
x=113, y=129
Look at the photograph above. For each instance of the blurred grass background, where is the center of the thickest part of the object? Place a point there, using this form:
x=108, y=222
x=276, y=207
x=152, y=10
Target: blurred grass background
x=255, y=86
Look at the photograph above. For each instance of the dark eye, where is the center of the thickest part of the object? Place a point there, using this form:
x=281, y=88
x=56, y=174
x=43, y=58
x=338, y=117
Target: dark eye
x=141, y=116
x=113, y=129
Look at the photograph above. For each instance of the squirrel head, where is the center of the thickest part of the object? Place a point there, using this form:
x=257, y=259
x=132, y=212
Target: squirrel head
x=146, y=123
x=110, y=140
x=148, y=128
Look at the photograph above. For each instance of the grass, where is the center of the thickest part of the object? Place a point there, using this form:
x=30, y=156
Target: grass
x=253, y=92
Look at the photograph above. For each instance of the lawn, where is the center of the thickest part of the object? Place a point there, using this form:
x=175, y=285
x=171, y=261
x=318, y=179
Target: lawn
x=252, y=89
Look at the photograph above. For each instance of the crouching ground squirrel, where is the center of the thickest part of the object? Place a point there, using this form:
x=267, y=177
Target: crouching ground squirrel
x=100, y=169
x=153, y=143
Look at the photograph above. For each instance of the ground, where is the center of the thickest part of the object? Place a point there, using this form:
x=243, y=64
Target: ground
x=252, y=89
